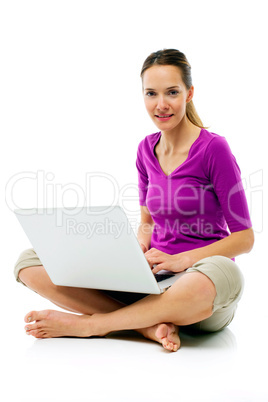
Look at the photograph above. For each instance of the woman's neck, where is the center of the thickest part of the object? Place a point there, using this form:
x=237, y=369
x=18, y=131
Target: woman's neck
x=180, y=138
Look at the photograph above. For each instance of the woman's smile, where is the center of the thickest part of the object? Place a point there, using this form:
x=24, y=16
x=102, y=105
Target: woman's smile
x=164, y=117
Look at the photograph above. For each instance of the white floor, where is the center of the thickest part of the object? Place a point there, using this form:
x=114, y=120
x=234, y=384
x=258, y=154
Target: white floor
x=226, y=366
x=54, y=59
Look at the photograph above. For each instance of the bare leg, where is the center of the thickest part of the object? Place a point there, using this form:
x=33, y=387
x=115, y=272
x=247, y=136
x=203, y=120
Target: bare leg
x=188, y=301
x=88, y=302
x=76, y=300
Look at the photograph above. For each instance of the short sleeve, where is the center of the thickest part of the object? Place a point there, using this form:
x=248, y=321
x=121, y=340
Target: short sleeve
x=225, y=176
x=142, y=175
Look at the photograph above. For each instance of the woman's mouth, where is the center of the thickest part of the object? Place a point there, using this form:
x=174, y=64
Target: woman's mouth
x=163, y=117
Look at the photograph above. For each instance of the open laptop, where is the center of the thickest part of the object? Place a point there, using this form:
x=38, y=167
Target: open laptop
x=91, y=247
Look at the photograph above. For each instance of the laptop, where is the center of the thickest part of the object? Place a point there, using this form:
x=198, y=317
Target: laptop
x=91, y=247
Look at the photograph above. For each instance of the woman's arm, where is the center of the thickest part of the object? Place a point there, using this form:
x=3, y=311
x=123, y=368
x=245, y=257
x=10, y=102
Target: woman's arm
x=235, y=244
x=145, y=229
x=231, y=246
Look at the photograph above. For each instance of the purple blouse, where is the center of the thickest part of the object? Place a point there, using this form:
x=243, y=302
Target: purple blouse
x=200, y=202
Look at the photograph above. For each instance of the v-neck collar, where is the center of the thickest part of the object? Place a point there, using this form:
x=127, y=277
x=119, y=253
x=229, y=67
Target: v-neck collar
x=178, y=167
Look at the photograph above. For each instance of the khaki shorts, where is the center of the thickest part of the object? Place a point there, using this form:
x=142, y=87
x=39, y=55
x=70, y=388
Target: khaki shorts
x=222, y=271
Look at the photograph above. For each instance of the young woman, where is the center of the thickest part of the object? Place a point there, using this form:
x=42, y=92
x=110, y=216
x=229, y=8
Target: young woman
x=194, y=218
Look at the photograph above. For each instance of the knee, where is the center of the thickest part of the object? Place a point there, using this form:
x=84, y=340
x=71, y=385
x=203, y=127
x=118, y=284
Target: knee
x=226, y=276
x=202, y=290
x=193, y=294
x=196, y=288
x=29, y=275
x=27, y=260
x=35, y=278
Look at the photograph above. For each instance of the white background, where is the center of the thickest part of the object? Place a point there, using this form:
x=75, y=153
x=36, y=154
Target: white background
x=71, y=105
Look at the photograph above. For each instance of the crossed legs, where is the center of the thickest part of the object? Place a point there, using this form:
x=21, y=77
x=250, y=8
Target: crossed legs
x=76, y=300
x=157, y=317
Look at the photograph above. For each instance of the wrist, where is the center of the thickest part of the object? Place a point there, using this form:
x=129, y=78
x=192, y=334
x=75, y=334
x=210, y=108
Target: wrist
x=190, y=258
x=183, y=261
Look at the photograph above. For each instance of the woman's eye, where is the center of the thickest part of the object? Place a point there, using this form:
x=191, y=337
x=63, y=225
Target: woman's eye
x=173, y=92
x=150, y=93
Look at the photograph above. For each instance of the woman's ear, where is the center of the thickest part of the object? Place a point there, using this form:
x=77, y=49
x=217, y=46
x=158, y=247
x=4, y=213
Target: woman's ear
x=190, y=94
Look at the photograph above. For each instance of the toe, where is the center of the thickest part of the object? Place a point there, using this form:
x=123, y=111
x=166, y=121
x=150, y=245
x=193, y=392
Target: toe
x=165, y=343
x=169, y=345
x=31, y=327
x=30, y=316
x=36, y=315
x=36, y=333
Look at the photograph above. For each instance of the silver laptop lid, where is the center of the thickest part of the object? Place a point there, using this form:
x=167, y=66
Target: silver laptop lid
x=91, y=247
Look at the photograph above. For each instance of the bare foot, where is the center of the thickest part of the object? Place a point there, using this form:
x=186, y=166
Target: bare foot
x=166, y=334
x=53, y=324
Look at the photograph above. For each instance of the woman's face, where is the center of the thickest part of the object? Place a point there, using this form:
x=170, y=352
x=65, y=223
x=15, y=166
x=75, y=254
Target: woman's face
x=165, y=96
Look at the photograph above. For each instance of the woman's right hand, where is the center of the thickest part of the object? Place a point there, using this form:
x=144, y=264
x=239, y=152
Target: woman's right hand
x=159, y=260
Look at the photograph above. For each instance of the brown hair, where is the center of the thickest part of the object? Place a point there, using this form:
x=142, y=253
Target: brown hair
x=173, y=57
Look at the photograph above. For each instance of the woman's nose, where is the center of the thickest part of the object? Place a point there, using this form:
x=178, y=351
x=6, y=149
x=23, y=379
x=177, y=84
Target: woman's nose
x=162, y=103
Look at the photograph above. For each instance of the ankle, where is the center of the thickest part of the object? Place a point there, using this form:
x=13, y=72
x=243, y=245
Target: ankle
x=98, y=325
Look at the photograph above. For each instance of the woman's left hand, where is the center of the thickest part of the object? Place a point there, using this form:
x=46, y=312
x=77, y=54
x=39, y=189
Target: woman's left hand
x=174, y=263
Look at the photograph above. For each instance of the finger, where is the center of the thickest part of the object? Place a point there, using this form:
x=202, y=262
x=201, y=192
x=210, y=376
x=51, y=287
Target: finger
x=144, y=249
x=157, y=268
x=151, y=251
x=150, y=263
x=154, y=260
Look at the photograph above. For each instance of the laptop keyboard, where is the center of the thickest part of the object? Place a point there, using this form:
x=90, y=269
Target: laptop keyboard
x=161, y=277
